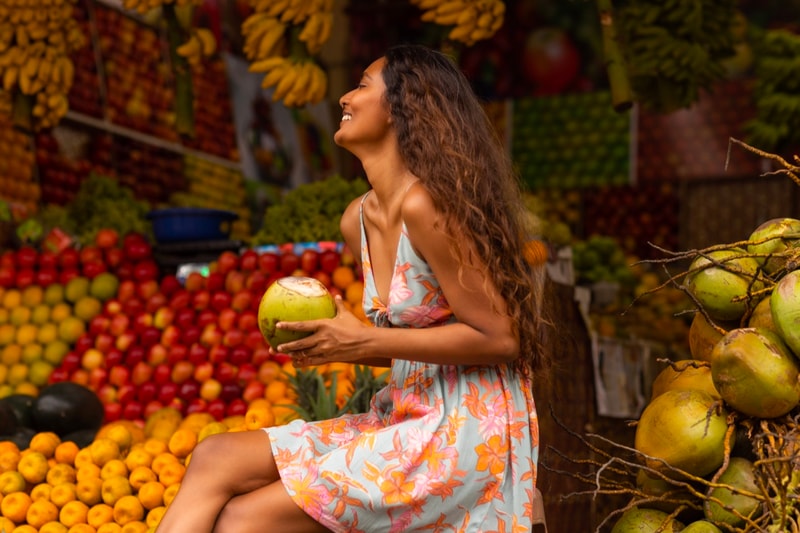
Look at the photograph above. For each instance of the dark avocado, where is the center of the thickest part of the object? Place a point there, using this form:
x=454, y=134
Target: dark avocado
x=21, y=405
x=66, y=407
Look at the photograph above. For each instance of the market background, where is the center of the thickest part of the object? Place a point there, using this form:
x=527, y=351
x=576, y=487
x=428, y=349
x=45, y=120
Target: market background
x=605, y=184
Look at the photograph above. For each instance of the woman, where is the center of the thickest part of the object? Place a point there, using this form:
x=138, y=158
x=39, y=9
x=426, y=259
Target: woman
x=451, y=443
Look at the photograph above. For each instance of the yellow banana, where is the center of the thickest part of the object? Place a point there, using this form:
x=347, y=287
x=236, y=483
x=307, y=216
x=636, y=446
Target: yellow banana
x=38, y=31
x=208, y=43
x=265, y=65
x=310, y=29
x=446, y=20
x=190, y=48
x=44, y=71
x=256, y=20
x=276, y=7
x=276, y=74
x=299, y=90
x=468, y=16
x=322, y=84
x=461, y=32
x=24, y=82
x=314, y=83
x=10, y=76
x=325, y=29
x=286, y=83
x=31, y=67
x=453, y=6
x=269, y=44
x=21, y=36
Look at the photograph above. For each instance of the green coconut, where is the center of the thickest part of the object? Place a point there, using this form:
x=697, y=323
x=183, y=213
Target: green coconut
x=784, y=303
x=738, y=477
x=640, y=520
x=292, y=299
x=703, y=336
x=755, y=373
x=761, y=317
x=688, y=374
x=774, y=236
x=701, y=526
x=684, y=428
x=723, y=293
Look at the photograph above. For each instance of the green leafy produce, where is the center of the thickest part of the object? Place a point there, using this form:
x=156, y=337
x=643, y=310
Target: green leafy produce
x=309, y=212
x=101, y=202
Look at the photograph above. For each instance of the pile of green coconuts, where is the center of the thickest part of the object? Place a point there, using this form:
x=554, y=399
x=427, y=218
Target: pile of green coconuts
x=718, y=444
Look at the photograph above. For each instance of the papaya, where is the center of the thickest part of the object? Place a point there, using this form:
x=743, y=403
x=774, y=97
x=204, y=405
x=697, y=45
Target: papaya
x=66, y=407
x=738, y=477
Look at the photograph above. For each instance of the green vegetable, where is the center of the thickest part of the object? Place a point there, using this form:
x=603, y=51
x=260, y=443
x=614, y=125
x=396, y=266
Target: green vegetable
x=309, y=212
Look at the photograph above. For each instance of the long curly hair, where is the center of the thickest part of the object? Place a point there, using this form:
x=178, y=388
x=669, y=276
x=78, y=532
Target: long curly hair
x=449, y=143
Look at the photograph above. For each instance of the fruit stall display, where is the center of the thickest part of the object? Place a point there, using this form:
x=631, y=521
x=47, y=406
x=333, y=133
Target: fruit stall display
x=715, y=446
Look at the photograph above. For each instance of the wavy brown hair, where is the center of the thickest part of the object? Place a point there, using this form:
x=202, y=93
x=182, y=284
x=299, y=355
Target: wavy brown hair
x=449, y=143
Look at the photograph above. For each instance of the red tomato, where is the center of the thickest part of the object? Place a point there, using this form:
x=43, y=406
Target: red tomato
x=329, y=260
x=309, y=260
x=106, y=238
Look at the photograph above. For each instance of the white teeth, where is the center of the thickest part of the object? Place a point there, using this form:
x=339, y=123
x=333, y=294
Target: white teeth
x=346, y=117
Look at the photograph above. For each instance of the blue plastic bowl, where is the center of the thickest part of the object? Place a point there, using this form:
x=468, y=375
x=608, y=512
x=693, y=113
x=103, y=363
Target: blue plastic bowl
x=177, y=224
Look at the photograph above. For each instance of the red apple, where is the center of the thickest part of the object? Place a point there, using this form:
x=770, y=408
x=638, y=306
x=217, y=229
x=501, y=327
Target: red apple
x=205, y=318
x=149, y=336
x=219, y=353
x=112, y=412
x=211, y=335
x=268, y=263
x=253, y=391
x=146, y=288
x=91, y=269
x=189, y=390
x=180, y=299
x=196, y=405
x=227, y=262
x=163, y=317
x=135, y=355
x=119, y=375
x=151, y=408
x=84, y=343
x=239, y=354
x=156, y=355
x=147, y=392
x=215, y=282
x=181, y=371
x=170, y=284
x=200, y=300
x=197, y=354
x=119, y=324
x=156, y=301
x=68, y=258
x=256, y=283
x=329, y=260
x=190, y=335
x=236, y=407
x=184, y=317
x=203, y=371
x=217, y=408
x=107, y=393
x=167, y=392
x=126, y=290
x=227, y=318
x=132, y=411
x=194, y=282
x=247, y=321
x=114, y=357
x=171, y=336
x=289, y=263
x=309, y=260
x=141, y=373
x=90, y=253
x=177, y=352
x=225, y=372
x=99, y=324
x=162, y=373
x=241, y=300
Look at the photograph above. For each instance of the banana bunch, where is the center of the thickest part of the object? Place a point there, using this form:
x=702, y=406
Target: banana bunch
x=674, y=48
x=296, y=83
x=291, y=11
x=36, y=40
x=264, y=36
x=144, y=6
x=201, y=43
x=474, y=20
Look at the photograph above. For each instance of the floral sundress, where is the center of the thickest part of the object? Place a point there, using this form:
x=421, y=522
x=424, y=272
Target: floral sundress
x=443, y=448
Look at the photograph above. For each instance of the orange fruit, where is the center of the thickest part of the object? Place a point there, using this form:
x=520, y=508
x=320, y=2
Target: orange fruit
x=89, y=491
x=155, y=515
x=63, y=494
x=41, y=512
x=59, y=312
x=259, y=414
x=277, y=392
x=41, y=492
x=66, y=451
x=99, y=514
x=45, y=442
x=33, y=466
x=171, y=474
x=81, y=528
x=87, y=471
x=15, y=506
x=103, y=450
x=115, y=467
x=87, y=307
x=151, y=494
x=213, y=428
x=12, y=298
x=140, y=476
x=76, y=288
x=170, y=493
x=342, y=276
x=114, y=488
x=61, y=473
x=11, y=481
x=110, y=527
x=354, y=293
x=138, y=457
x=54, y=526
x=182, y=442
x=73, y=513
x=32, y=295
x=70, y=329
x=134, y=527
x=128, y=509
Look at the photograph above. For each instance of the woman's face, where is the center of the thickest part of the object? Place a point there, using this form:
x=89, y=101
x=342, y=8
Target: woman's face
x=365, y=115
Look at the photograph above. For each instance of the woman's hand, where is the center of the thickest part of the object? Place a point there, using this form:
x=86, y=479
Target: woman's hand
x=331, y=339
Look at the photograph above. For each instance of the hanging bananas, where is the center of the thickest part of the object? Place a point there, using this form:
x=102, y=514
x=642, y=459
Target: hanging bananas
x=267, y=32
x=144, y=6
x=201, y=44
x=674, y=48
x=474, y=20
x=36, y=40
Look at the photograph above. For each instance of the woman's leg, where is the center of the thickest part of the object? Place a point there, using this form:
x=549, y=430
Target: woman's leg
x=221, y=467
x=268, y=509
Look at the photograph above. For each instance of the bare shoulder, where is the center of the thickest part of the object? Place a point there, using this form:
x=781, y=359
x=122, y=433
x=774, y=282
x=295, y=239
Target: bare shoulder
x=418, y=210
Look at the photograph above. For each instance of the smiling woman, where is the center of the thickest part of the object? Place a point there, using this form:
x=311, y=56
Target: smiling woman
x=454, y=309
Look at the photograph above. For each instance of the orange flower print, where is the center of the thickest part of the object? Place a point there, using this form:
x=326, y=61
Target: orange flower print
x=397, y=489
x=492, y=455
x=310, y=495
